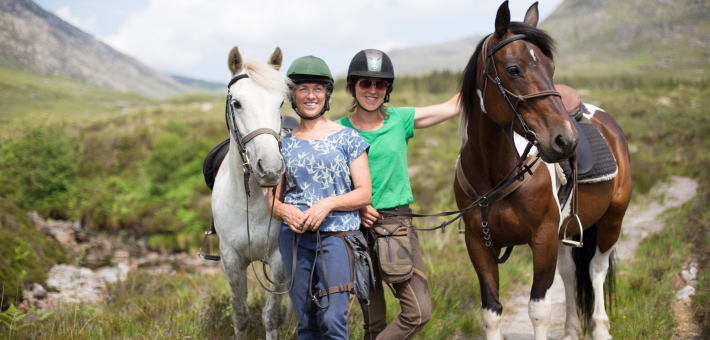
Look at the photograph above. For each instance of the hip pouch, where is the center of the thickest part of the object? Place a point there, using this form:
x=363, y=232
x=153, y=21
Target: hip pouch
x=363, y=275
x=361, y=271
x=393, y=248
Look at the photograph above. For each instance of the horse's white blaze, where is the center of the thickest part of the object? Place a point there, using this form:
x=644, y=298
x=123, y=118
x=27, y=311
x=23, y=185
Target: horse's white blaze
x=540, y=312
x=597, y=272
x=567, y=268
x=592, y=109
x=533, y=55
x=491, y=323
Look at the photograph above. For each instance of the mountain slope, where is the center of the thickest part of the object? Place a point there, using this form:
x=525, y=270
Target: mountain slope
x=38, y=41
x=669, y=37
x=422, y=59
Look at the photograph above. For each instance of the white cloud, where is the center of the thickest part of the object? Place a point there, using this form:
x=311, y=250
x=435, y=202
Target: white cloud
x=86, y=25
x=193, y=37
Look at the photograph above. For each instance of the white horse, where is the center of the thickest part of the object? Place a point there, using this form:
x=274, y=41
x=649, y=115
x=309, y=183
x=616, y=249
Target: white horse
x=257, y=99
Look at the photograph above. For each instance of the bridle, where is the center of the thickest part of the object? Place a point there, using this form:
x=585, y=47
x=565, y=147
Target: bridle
x=229, y=113
x=525, y=169
x=487, y=61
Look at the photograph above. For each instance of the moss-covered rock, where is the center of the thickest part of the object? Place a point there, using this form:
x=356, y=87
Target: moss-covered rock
x=26, y=254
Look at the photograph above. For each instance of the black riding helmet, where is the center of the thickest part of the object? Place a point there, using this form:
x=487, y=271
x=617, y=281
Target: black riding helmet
x=371, y=63
x=311, y=69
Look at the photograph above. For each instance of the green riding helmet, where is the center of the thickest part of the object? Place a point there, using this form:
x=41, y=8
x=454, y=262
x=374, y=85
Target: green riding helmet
x=310, y=69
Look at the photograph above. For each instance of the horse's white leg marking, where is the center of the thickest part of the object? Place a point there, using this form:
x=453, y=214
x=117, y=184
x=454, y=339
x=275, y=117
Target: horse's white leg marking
x=491, y=322
x=597, y=272
x=235, y=269
x=272, y=310
x=566, y=267
x=540, y=312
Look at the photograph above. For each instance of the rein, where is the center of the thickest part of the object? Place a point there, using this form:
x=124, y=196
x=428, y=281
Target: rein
x=246, y=166
x=525, y=170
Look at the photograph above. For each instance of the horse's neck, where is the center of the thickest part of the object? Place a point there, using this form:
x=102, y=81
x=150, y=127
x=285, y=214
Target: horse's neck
x=236, y=170
x=489, y=154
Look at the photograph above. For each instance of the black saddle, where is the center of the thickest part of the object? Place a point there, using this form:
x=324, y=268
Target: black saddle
x=215, y=157
x=595, y=161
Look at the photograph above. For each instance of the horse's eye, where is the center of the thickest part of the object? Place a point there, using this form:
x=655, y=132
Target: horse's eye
x=282, y=103
x=237, y=104
x=514, y=71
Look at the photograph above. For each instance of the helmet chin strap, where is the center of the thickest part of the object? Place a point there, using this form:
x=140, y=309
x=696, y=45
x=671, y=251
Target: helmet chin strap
x=326, y=107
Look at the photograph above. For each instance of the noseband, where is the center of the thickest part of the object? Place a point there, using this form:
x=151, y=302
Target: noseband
x=488, y=60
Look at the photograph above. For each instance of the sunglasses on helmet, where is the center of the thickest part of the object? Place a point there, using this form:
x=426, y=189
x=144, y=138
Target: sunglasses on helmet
x=366, y=85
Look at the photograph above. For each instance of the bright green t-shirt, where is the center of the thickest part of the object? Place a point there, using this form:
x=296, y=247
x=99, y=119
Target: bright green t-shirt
x=387, y=157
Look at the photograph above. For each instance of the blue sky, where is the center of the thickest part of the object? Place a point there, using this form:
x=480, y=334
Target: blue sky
x=192, y=37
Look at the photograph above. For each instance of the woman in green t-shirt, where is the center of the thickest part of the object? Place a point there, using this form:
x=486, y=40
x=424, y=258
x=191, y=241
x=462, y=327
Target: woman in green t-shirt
x=388, y=130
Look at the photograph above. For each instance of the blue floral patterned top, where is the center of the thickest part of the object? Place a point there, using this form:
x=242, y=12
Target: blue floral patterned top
x=320, y=168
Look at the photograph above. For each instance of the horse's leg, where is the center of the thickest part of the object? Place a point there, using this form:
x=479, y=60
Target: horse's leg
x=544, y=263
x=235, y=269
x=272, y=310
x=608, y=232
x=487, y=271
x=597, y=271
x=566, y=267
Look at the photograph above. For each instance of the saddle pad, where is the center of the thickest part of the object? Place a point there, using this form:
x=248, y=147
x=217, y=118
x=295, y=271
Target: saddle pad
x=605, y=167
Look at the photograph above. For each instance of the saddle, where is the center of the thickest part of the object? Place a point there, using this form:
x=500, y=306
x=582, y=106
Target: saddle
x=214, y=158
x=595, y=161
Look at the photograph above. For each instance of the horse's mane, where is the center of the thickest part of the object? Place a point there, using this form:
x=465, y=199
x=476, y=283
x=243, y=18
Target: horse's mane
x=266, y=77
x=469, y=80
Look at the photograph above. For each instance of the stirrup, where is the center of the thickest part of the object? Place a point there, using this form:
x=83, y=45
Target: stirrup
x=207, y=256
x=570, y=242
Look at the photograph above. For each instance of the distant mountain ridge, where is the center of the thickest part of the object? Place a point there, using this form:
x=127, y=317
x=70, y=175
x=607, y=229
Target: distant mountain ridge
x=39, y=41
x=451, y=56
x=601, y=37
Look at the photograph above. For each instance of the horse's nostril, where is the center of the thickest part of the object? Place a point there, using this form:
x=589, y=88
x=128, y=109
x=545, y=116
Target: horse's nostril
x=260, y=167
x=560, y=142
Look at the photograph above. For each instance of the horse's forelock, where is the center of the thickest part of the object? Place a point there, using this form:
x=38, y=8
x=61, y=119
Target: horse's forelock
x=266, y=77
x=469, y=80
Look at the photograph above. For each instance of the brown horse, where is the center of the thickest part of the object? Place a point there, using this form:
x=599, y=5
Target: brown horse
x=531, y=214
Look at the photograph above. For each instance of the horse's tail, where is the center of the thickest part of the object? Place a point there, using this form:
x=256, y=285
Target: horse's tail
x=583, y=282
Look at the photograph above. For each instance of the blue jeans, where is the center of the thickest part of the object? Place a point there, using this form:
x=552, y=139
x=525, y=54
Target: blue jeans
x=313, y=322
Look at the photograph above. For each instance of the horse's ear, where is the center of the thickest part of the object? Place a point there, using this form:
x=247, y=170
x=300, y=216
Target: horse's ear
x=276, y=58
x=532, y=16
x=502, y=20
x=234, y=60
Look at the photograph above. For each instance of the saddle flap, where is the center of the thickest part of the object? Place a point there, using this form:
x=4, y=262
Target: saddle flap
x=213, y=161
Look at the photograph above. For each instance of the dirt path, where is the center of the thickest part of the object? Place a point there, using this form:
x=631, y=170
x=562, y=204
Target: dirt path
x=642, y=219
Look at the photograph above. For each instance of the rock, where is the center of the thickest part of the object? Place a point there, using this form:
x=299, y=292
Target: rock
x=685, y=293
x=38, y=292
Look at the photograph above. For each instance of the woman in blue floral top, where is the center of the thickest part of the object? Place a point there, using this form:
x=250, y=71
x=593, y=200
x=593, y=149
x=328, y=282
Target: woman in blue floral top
x=327, y=180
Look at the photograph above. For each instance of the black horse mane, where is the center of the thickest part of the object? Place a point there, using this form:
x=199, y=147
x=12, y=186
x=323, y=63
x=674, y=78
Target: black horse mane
x=469, y=80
